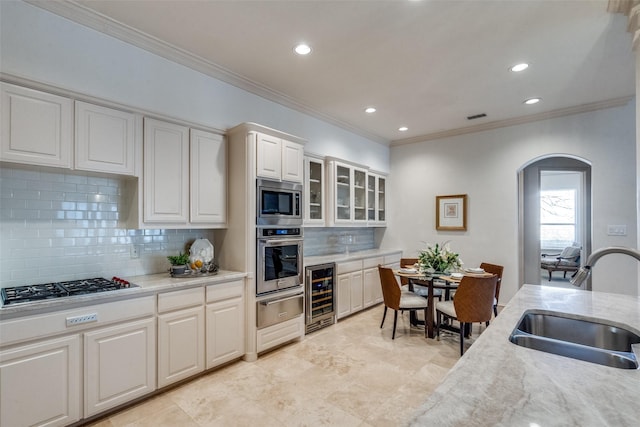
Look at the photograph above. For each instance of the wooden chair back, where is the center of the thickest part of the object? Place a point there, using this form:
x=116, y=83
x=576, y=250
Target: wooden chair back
x=474, y=299
x=497, y=270
x=406, y=262
x=390, y=289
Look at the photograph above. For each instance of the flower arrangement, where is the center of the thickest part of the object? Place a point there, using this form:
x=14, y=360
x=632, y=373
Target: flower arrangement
x=438, y=258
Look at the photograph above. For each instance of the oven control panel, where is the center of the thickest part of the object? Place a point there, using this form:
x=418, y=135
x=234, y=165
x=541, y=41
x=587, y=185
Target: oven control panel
x=279, y=232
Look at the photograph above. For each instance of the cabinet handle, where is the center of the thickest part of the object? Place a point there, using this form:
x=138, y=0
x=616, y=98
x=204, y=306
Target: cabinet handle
x=276, y=301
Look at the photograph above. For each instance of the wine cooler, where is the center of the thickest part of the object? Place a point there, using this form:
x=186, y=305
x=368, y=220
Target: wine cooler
x=320, y=282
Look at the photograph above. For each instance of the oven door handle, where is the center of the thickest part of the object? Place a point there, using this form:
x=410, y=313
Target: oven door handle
x=281, y=241
x=276, y=301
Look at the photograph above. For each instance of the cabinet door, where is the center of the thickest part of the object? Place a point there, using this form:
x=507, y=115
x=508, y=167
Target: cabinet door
x=208, y=197
x=105, y=139
x=357, y=291
x=292, y=161
x=41, y=383
x=371, y=287
x=119, y=365
x=166, y=172
x=371, y=198
x=359, y=195
x=381, y=188
x=268, y=156
x=344, y=295
x=180, y=345
x=343, y=178
x=225, y=331
x=314, y=188
x=37, y=127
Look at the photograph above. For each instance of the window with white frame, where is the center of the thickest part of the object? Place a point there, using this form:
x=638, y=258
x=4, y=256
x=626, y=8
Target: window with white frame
x=558, y=218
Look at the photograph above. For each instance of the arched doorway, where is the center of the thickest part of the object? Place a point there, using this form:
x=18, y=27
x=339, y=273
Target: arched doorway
x=559, y=177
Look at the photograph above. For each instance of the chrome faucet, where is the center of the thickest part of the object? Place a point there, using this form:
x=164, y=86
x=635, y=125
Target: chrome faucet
x=585, y=270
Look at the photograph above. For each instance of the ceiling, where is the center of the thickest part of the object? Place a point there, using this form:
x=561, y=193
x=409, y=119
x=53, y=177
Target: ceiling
x=426, y=65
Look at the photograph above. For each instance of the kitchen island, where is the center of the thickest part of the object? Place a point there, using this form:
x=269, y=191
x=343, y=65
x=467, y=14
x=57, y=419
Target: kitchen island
x=497, y=383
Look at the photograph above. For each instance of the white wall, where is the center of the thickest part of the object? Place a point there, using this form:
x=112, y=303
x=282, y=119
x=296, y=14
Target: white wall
x=41, y=46
x=484, y=165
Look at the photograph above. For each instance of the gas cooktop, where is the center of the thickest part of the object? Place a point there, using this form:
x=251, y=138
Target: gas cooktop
x=30, y=293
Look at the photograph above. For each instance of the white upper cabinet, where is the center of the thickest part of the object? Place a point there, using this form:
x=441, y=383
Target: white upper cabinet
x=348, y=194
x=208, y=178
x=166, y=172
x=269, y=156
x=314, y=186
x=37, y=127
x=292, y=161
x=279, y=159
x=376, y=199
x=184, y=177
x=105, y=139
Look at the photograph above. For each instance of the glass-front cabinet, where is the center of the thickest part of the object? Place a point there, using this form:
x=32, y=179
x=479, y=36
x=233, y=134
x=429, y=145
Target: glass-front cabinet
x=349, y=194
x=314, y=213
x=376, y=199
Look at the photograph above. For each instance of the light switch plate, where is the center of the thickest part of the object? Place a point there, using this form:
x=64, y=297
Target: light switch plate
x=616, y=230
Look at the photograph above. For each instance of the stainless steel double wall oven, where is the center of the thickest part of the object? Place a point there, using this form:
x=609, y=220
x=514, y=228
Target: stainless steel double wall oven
x=279, y=281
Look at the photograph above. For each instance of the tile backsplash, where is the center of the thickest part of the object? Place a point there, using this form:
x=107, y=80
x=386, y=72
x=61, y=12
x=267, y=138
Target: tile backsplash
x=62, y=225
x=334, y=240
x=65, y=225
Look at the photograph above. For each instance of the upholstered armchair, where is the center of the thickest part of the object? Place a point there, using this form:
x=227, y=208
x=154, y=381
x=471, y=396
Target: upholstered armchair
x=567, y=260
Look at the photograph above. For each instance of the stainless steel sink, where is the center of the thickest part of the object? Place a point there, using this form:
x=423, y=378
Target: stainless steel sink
x=580, y=338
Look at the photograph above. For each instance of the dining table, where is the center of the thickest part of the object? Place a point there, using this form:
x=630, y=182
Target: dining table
x=445, y=282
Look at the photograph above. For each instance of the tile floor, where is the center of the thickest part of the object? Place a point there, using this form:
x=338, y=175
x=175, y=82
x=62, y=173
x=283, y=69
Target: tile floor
x=349, y=374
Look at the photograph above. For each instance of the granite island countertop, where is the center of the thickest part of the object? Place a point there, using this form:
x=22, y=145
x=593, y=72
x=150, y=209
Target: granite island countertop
x=497, y=383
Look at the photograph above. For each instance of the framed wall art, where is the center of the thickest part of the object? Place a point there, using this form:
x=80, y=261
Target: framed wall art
x=451, y=213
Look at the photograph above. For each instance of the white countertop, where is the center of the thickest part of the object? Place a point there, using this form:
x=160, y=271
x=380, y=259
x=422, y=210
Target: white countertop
x=497, y=383
x=147, y=285
x=353, y=256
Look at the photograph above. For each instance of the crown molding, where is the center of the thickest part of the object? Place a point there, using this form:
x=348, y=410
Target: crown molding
x=616, y=102
x=89, y=18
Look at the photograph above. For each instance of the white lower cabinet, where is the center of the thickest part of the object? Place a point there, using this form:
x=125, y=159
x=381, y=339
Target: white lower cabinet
x=120, y=364
x=358, y=283
x=350, y=288
x=180, y=335
x=371, y=278
x=225, y=323
x=47, y=374
x=280, y=333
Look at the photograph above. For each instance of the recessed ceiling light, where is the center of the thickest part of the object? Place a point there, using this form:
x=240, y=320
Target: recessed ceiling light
x=403, y=129
x=370, y=110
x=532, y=101
x=519, y=67
x=302, y=49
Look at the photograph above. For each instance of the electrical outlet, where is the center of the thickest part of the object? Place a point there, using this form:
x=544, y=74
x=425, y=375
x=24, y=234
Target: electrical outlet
x=135, y=251
x=85, y=318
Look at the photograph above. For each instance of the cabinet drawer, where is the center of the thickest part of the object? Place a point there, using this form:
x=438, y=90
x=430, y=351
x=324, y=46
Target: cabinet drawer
x=348, y=267
x=224, y=291
x=180, y=299
x=372, y=262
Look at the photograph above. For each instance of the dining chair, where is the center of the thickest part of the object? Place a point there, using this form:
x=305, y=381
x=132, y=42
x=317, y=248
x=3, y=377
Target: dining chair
x=473, y=302
x=423, y=291
x=497, y=270
x=397, y=299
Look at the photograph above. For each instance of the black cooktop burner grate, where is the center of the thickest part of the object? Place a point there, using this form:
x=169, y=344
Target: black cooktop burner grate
x=29, y=293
